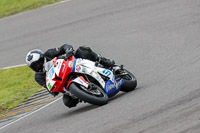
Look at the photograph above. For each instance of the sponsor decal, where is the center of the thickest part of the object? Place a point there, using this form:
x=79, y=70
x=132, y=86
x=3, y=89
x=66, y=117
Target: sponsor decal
x=70, y=64
x=49, y=85
x=84, y=80
x=109, y=87
x=78, y=68
x=51, y=73
x=91, y=72
x=83, y=69
x=56, y=64
x=96, y=73
x=98, y=77
x=47, y=80
x=119, y=83
x=79, y=60
x=55, y=60
x=59, y=64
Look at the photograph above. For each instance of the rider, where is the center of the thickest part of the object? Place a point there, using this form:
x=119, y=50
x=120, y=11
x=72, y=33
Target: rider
x=36, y=59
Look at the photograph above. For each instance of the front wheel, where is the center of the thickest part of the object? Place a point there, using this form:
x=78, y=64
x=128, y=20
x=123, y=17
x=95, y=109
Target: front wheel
x=130, y=81
x=96, y=97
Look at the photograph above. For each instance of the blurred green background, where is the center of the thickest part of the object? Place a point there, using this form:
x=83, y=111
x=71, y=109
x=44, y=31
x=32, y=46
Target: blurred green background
x=10, y=7
x=16, y=84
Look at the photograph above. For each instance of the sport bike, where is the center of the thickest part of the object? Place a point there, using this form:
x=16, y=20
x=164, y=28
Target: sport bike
x=86, y=80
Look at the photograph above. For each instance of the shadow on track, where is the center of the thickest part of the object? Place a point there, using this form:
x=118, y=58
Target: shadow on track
x=121, y=94
x=70, y=113
x=83, y=108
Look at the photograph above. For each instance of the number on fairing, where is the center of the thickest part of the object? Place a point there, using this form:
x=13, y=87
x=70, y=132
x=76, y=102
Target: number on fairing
x=107, y=72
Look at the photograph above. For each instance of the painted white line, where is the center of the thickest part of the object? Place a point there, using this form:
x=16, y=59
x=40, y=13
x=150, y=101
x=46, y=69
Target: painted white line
x=56, y=3
x=24, y=65
x=31, y=113
x=21, y=13
x=13, y=66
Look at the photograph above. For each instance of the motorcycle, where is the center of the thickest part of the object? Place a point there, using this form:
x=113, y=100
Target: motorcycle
x=86, y=80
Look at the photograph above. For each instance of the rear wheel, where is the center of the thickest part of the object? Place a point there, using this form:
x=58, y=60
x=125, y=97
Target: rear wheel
x=130, y=81
x=94, y=96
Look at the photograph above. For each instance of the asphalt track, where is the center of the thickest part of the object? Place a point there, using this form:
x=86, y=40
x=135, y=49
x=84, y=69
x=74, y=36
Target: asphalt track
x=158, y=40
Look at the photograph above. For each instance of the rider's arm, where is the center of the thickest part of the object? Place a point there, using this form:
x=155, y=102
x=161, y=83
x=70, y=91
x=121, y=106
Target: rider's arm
x=40, y=79
x=55, y=52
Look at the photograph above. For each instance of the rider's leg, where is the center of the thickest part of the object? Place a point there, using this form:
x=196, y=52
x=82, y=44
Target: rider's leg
x=86, y=53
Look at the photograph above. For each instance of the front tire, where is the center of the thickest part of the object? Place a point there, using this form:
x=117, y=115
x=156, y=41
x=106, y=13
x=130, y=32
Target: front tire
x=88, y=97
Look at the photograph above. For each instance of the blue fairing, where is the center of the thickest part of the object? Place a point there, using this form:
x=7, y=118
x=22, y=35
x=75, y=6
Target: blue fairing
x=73, y=69
x=119, y=83
x=109, y=87
x=112, y=88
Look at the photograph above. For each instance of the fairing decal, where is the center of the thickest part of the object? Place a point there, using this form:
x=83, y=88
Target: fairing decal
x=80, y=80
x=111, y=86
x=74, y=65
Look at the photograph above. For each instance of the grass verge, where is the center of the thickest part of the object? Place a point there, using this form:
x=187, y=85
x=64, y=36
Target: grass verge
x=16, y=84
x=10, y=7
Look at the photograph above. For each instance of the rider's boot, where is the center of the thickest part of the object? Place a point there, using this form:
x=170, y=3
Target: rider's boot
x=106, y=62
x=69, y=101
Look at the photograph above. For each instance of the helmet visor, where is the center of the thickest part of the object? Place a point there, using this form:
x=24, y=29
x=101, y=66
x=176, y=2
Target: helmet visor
x=37, y=66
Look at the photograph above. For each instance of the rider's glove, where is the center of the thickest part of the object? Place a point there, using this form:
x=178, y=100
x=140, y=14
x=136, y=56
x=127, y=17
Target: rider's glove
x=69, y=54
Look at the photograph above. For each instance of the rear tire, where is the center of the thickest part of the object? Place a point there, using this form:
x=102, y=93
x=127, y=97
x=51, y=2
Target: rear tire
x=130, y=82
x=88, y=97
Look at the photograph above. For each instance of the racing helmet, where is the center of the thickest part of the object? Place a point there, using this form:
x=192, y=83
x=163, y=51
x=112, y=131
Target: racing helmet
x=35, y=60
